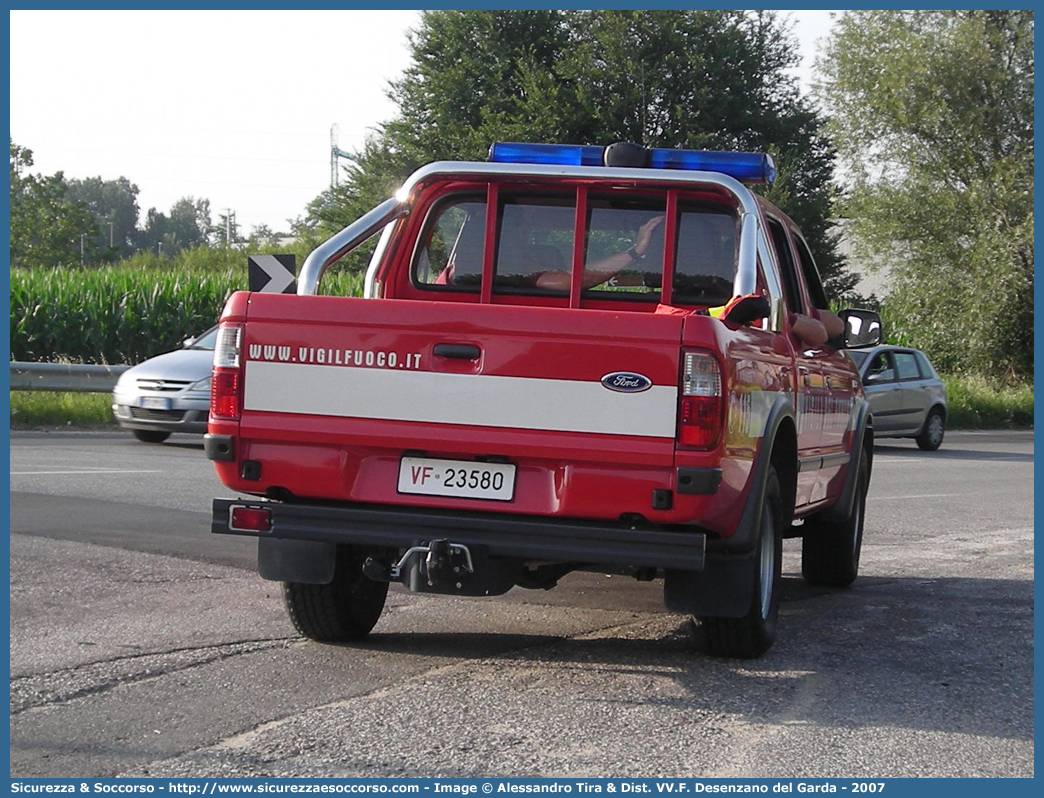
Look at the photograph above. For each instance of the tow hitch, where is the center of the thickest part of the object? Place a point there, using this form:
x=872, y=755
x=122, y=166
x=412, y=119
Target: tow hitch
x=441, y=566
x=440, y=562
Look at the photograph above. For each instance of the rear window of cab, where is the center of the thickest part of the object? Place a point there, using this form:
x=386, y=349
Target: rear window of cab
x=692, y=241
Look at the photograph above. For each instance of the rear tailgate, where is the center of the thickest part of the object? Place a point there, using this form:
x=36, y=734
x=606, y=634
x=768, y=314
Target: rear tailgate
x=350, y=399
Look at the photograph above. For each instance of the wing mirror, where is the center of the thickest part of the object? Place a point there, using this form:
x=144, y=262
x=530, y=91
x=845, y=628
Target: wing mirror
x=862, y=328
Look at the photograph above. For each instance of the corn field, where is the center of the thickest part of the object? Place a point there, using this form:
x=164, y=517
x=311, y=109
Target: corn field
x=123, y=314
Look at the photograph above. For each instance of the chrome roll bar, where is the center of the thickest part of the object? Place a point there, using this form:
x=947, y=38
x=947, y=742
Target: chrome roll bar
x=340, y=244
x=373, y=222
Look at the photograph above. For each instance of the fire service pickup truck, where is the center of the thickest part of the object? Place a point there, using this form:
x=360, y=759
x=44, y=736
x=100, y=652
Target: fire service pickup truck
x=567, y=358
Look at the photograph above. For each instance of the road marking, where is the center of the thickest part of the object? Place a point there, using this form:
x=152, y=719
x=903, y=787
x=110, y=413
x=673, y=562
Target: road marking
x=919, y=496
x=53, y=473
x=993, y=433
x=999, y=459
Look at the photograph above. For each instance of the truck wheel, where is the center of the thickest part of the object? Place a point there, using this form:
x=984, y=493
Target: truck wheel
x=345, y=609
x=931, y=436
x=753, y=634
x=830, y=549
x=150, y=435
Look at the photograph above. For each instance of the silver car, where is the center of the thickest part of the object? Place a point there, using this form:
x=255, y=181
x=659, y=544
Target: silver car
x=906, y=396
x=167, y=393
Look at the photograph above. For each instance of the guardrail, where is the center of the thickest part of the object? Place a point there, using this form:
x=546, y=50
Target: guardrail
x=75, y=377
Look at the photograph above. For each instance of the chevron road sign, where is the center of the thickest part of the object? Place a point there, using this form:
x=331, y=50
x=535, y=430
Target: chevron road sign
x=272, y=274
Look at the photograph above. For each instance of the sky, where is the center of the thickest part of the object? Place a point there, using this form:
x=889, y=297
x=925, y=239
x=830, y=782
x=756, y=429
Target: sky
x=238, y=107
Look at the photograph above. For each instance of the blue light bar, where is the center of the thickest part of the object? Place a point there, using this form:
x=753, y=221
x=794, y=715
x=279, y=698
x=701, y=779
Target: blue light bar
x=747, y=167
x=551, y=154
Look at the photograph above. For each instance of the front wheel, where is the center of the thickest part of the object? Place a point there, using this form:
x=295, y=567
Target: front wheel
x=931, y=436
x=753, y=634
x=346, y=608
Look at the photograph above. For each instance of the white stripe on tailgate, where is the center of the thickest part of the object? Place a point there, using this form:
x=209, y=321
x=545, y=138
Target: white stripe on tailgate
x=520, y=402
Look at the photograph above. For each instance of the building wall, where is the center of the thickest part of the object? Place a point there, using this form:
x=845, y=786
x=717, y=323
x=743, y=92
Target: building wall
x=874, y=274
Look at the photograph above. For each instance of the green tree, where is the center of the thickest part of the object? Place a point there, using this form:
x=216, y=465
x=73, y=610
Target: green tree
x=932, y=112
x=191, y=222
x=47, y=229
x=696, y=79
x=477, y=74
x=715, y=80
x=261, y=235
x=188, y=225
x=114, y=205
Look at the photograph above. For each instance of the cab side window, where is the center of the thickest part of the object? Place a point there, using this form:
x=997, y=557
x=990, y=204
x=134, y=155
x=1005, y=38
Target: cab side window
x=808, y=268
x=791, y=290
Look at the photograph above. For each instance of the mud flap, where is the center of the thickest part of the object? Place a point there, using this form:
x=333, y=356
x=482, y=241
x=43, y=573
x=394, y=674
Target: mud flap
x=723, y=589
x=304, y=561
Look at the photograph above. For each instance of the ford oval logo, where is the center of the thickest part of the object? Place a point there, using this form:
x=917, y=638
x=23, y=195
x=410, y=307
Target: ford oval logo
x=626, y=382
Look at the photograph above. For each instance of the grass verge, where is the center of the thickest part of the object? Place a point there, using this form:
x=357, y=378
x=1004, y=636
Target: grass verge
x=35, y=409
x=976, y=403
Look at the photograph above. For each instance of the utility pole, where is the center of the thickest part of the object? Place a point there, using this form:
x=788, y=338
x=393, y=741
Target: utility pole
x=335, y=153
x=110, y=234
x=228, y=227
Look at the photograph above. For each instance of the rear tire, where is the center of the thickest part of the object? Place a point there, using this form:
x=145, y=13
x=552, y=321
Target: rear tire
x=830, y=549
x=753, y=634
x=931, y=436
x=345, y=609
x=150, y=435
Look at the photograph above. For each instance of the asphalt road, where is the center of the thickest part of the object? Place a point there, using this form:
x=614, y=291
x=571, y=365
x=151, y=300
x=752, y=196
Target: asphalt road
x=142, y=645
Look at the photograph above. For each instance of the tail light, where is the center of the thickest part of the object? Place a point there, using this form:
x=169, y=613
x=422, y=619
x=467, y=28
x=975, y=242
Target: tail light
x=226, y=386
x=250, y=519
x=700, y=415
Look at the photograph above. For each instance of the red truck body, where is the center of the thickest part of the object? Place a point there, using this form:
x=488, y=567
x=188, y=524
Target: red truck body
x=464, y=430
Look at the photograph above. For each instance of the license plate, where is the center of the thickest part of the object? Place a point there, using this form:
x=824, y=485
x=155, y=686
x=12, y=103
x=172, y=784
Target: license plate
x=155, y=403
x=463, y=479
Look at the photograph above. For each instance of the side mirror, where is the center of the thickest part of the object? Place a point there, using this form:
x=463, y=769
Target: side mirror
x=862, y=328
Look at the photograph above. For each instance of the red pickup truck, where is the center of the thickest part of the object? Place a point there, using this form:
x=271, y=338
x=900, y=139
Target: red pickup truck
x=567, y=358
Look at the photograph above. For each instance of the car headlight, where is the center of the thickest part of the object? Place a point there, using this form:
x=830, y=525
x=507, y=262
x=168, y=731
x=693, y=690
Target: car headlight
x=202, y=385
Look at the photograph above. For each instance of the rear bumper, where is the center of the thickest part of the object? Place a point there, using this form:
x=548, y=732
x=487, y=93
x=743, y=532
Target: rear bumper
x=497, y=535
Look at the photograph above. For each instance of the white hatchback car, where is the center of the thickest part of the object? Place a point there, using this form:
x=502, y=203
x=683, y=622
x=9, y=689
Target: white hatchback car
x=167, y=393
